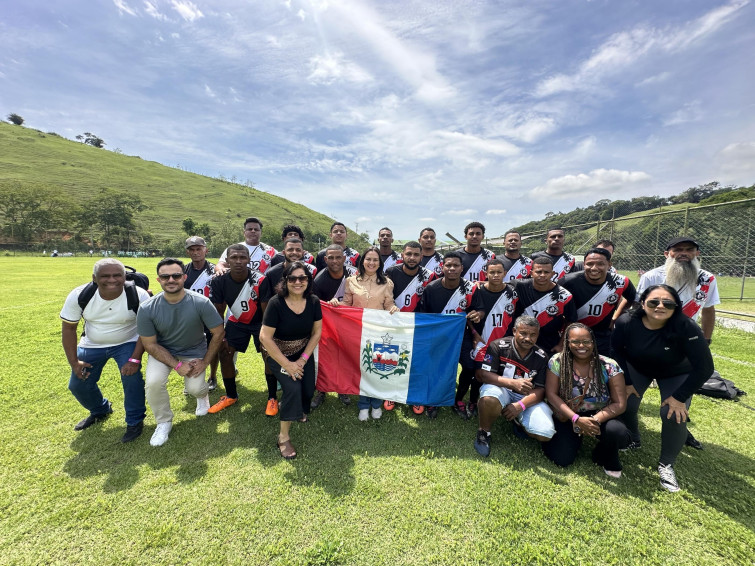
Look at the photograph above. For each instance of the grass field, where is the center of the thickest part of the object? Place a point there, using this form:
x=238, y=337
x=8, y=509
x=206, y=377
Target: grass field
x=402, y=490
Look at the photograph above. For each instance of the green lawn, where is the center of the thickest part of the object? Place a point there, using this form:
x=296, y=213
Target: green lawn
x=402, y=490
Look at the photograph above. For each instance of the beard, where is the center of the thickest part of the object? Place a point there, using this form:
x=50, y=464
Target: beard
x=682, y=273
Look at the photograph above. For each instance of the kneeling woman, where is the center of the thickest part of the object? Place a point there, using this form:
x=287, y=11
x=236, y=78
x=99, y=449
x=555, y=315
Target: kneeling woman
x=586, y=392
x=291, y=329
x=658, y=341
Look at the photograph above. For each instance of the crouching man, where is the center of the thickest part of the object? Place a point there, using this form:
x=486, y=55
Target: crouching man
x=513, y=378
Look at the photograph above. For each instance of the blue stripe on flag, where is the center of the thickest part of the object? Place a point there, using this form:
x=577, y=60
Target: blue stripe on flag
x=435, y=358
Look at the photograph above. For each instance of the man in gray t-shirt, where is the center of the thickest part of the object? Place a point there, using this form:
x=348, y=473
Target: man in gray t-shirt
x=171, y=327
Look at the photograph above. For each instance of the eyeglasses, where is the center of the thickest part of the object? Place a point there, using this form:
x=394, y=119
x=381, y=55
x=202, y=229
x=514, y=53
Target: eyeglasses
x=174, y=276
x=667, y=303
x=297, y=278
x=580, y=342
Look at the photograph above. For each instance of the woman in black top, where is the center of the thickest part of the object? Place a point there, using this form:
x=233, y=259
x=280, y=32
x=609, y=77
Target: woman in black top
x=291, y=329
x=658, y=341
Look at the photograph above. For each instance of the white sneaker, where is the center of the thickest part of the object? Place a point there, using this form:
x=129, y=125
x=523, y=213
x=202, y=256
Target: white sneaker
x=377, y=413
x=364, y=414
x=203, y=405
x=160, y=436
x=668, y=478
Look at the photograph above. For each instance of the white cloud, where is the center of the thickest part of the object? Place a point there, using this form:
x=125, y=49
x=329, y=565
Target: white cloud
x=327, y=69
x=625, y=48
x=209, y=92
x=426, y=219
x=187, y=10
x=124, y=8
x=152, y=10
x=302, y=14
x=528, y=127
x=690, y=112
x=495, y=211
x=462, y=212
x=588, y=184
x=738, y=159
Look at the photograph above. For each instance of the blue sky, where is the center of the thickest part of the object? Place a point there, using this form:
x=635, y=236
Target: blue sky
x=402, y=113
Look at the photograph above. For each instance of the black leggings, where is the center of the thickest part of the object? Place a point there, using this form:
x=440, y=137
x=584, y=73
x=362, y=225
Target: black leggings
x=673, y=434
x=468, y=381
x=562, y=449
x=297, y=393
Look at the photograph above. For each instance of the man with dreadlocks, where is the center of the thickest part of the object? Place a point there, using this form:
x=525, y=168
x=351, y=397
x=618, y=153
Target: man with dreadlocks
x=586, y=392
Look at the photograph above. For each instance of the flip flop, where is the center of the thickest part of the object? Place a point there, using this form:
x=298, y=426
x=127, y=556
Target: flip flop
x=286, y=449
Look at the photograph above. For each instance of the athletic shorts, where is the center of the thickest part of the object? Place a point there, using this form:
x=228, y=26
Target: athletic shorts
x=238, y=336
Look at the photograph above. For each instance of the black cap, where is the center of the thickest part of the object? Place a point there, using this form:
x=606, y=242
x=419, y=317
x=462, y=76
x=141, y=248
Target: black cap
x=681, y=239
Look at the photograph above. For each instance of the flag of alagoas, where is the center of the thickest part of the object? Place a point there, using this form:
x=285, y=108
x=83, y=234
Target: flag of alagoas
x=403, y=357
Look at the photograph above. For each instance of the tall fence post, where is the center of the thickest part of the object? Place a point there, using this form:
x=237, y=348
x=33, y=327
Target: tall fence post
x=747, y=253
x=686, y=221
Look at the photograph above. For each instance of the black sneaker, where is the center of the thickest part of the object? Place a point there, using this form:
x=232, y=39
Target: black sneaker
x=460, y=408
x=634, y=445
x=92, y=419
x=431, y=412
x=318, y=399
x=132, y=432
x=482, y=443
x=693, y=442
x=345, y=399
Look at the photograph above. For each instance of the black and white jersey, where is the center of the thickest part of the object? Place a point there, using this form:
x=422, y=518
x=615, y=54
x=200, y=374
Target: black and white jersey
x=475, y=266
x=198, y=280
x=562, y=264
x=391, y=259
x=502, y=358
x=553, y=310
x=351, y=257
x=433, y=263
x=408, y=289
x=437, y=299
x=260, y=256
x=499, y=315
x=519, y=268
x=242, y=299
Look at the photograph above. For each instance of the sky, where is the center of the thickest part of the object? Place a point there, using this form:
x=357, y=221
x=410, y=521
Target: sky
x=401, y=113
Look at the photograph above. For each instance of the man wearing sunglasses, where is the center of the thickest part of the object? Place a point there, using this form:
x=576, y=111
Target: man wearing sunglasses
x=697, y=288
x=171, y=326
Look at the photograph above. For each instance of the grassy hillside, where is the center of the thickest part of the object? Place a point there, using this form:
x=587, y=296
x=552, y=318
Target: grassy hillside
x=34, y=157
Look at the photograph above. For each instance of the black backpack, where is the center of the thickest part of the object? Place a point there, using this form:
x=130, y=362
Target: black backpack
x=139, y=279
x=132, y=295
x=717, y=386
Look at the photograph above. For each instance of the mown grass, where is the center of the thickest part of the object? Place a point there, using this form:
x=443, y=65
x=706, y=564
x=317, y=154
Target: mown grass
x=402, y=490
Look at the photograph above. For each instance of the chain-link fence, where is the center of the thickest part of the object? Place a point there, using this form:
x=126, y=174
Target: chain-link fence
x=725, y=232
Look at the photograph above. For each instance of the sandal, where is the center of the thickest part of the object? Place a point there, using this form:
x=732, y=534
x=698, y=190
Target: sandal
x=286, y=449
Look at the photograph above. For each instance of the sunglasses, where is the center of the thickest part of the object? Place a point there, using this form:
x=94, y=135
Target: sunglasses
x=297, y=278
x=174, y=276
x=667, y=303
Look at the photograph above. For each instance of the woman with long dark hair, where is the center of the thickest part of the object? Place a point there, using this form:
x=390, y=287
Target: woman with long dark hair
x=656, y=340
x=369, y=289
x=586, y=392
x=291, y=328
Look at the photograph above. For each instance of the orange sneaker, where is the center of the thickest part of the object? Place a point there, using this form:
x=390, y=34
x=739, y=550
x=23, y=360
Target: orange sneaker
x=418, y=409
x=223, y=403
x=388, y=405
x=272, y=407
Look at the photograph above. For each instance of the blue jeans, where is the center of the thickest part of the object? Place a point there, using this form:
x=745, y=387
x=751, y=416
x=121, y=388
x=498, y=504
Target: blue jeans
x=367, y=402
x=87, y=391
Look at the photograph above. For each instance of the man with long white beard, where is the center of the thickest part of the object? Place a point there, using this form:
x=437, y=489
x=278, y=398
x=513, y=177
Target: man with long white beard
x=697, y=289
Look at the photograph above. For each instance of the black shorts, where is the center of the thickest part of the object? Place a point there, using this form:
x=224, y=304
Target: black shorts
x=238, y=335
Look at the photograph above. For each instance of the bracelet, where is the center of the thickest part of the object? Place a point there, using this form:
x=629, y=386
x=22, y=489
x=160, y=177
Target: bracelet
x=178, y=366
x=522, y=405
x=134, y=361
x=575, y=418
x=305, y=356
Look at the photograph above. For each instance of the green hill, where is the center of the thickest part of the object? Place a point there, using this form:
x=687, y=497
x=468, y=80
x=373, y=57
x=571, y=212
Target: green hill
x=75, y=172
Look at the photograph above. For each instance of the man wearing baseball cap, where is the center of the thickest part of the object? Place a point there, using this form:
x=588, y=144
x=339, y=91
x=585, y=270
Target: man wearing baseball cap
x=697, y=288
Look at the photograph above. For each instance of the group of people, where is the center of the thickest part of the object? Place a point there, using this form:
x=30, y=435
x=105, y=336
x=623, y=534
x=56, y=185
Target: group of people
x=561, y=348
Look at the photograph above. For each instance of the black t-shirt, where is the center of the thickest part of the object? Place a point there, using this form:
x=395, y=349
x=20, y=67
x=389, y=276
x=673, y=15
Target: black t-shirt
x=198, y=280
x=289, y=325
x=656, y=355
x=502, y=358
x=489, y=299
x=595, y=303
x=562, y=264
x=273, y=275
x=325, y=287
x=471, y=271
x=553, y=309
x=519, y=268
x=242, y=299
x=436, y=297
x=351, y=256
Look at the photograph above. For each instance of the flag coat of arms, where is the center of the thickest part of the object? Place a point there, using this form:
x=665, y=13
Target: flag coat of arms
x=403, y=357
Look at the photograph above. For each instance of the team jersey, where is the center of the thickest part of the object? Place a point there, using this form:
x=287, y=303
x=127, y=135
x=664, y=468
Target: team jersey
x=433, y=263
x=595, y=303
x=391, y=259
x=705, y=293
x=519, y=268
x=260, y=256
x=327, y=288
x=198, y=280
x=499, y=314
x=437, y=299
x=242, y=299
x=280, y=258
x=273, y=277
x=552, y=309
x=351, y=255
x=562, y=264
x=408, y=289
x=475, y=266
x=502, y=358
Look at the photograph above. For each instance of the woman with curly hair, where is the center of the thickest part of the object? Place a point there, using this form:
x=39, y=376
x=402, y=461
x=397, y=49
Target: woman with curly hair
x=658, y=341
x=586, y=392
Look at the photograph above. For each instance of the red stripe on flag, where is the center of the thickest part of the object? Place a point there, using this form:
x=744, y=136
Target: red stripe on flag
x=338, y=368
